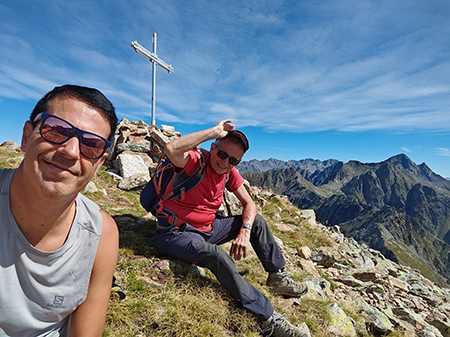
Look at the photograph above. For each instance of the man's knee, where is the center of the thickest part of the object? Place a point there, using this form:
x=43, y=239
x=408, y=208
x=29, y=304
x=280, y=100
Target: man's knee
x=261, y=232
x=261, y=228
x=259, y=221
x=213, y=257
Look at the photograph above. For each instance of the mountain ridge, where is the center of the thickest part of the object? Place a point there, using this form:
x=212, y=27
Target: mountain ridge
x=408, y=203
x=311, y=165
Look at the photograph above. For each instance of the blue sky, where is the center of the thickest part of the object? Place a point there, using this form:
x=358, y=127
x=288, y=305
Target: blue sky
x=349, y=80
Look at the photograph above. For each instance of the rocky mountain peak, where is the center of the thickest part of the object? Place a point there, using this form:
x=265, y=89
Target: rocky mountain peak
x=408, y=201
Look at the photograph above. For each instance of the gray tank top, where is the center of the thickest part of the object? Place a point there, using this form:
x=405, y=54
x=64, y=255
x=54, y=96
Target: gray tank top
x=40, y=290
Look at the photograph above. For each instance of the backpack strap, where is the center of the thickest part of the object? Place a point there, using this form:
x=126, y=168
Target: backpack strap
x=180, y=190
x=163, y=165
x=227, y=177
x=166, y=219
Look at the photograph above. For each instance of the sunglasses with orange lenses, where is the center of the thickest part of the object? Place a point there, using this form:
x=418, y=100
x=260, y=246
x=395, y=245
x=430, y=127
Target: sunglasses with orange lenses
x=56, y=130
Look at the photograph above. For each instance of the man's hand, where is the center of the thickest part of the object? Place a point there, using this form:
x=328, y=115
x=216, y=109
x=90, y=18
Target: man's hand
x=223, y=127
x=239, y=247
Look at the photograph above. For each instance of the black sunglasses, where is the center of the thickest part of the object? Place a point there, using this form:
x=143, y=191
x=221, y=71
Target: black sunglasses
x=223, y=155
x=57, y=131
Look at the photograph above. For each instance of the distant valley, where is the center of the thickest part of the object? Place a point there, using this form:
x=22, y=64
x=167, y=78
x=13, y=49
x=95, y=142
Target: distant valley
x=395, y=206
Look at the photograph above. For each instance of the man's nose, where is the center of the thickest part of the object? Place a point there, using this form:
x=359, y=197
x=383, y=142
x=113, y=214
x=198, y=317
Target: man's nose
x=71, y=148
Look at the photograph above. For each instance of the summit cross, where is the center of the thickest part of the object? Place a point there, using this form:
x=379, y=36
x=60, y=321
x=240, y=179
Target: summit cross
x=156, y=61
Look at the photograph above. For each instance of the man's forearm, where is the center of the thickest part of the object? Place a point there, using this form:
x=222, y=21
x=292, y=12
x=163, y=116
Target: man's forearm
x=177, y=150
x=248, y=214
x=188, y=142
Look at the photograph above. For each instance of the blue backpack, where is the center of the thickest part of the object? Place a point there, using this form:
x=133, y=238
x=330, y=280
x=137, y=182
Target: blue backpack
x=167, y=184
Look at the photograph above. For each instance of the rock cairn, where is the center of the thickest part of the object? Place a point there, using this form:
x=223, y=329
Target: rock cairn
x=136, y=152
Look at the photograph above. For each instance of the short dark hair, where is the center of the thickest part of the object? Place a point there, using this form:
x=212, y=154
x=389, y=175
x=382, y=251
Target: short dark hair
x=237, y=137
x=87, y=95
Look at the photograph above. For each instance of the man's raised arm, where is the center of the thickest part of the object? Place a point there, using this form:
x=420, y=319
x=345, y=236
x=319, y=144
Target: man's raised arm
x=177, y=150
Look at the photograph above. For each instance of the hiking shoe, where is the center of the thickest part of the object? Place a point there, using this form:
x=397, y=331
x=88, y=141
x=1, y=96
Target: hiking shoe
x=278, y=326
x=283, y=285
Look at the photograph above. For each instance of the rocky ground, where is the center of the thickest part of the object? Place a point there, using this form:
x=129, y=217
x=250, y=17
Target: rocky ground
x=365, y=294
x=389, y=297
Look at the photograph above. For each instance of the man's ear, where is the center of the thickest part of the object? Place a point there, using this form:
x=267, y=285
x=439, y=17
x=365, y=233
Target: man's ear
x=213, y=146
x=26, y=133
x=101, y=161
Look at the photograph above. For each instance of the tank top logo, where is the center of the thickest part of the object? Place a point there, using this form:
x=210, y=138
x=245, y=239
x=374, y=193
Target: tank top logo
x=57, y=302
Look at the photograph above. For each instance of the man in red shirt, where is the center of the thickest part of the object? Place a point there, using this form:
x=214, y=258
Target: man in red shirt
x=198, y=230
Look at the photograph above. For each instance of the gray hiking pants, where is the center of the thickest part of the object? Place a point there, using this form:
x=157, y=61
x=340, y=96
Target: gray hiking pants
x=202, y=248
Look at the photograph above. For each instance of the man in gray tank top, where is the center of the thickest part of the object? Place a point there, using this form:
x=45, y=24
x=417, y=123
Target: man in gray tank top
x=58, y=250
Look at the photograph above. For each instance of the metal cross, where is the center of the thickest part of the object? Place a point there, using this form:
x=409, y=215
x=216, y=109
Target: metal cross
x=153, y=57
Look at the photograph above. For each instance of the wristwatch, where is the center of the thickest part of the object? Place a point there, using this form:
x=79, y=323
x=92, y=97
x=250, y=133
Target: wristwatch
x=247, y=225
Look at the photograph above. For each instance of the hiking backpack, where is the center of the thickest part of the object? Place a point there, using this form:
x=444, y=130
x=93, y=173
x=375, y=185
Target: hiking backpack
x=167, y=184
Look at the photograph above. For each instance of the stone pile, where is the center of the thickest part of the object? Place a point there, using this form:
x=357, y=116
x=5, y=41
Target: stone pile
x=136, y=152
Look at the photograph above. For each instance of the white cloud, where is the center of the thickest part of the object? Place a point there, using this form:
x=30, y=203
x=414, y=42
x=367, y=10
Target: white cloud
x=301, y=66
x=442, y=151
x=406, y=149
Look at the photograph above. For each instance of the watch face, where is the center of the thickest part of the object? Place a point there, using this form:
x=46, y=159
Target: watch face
x=247, y=225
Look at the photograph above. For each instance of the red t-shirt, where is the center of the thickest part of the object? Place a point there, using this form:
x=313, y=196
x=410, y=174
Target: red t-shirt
x=201, y=203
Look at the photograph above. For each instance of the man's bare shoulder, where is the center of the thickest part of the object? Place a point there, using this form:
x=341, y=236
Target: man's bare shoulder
x=109, y=227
